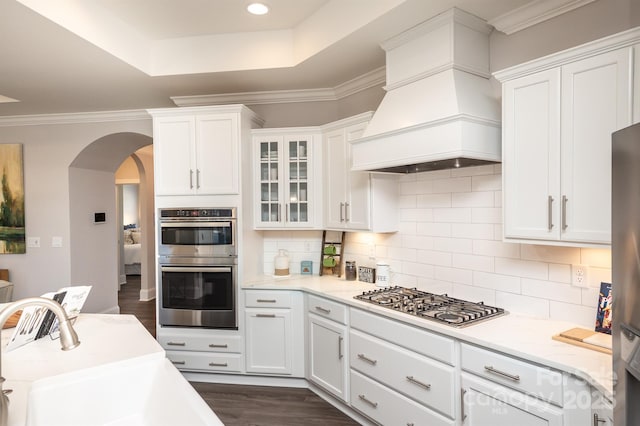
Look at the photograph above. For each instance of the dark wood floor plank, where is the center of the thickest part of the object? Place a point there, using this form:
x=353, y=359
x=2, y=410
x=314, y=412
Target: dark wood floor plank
x=241, y=405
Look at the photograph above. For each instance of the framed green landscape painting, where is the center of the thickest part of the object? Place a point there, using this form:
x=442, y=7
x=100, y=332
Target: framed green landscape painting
x=12, y=234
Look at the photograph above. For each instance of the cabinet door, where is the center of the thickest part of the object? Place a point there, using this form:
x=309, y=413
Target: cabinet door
x=327, y=362
x=174, y=155
x=358, y=194
x=298, y=161
x=486, y=403
x=269, y=341
x=531, y=146
x=335, y=172
x=596, y=101
x=269, y=193
x=217, y=157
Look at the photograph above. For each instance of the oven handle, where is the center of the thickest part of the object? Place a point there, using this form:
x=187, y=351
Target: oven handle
x=195, y=269
x=203, y=224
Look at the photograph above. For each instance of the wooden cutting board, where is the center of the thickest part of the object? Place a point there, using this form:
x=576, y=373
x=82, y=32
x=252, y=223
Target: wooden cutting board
x=589, y=339
x=13, y=320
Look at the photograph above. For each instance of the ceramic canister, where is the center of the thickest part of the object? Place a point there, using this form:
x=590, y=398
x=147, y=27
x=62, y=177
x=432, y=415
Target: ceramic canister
x=383, y=275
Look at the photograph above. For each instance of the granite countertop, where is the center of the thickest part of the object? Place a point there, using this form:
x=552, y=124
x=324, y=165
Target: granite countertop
x=516, y=335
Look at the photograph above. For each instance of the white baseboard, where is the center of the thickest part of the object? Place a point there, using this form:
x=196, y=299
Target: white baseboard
x=122, y=279
x=112, y=310
x=147, y=294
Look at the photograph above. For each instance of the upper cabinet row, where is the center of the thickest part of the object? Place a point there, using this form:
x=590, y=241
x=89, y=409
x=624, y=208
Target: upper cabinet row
x=300, y=177
x=558, y=116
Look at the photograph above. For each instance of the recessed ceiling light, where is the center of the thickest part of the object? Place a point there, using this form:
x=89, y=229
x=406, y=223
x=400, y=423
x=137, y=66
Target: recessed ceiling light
x=258, y=8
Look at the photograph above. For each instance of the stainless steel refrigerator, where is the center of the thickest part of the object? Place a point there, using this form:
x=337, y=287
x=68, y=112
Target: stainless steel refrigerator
x=625, y=255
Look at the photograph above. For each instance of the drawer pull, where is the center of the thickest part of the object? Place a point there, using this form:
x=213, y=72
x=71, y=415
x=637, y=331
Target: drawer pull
x=323, y=310
x=369, y=360
x=218, y=364
x=176, y=344
x=178, y=362
x=411, y=379
x=371, y=403
x=265, y=315
x=214, y=345
x=340, y=340
x=597, y=420
x=513, y=377
x=266, y=300
x=410, y=424
x=463, y=416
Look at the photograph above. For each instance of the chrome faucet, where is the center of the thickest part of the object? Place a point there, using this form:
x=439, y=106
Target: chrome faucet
x=68, y=338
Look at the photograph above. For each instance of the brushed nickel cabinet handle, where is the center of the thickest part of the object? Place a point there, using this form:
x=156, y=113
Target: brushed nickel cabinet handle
x=218, y=364
x=597, y=420
x=176, y=344
x=178, y=362
x=286, y=212
x=265, y=315
x=550, y=212
x=346, y=212
x=197, y=178
x=514, y=377
x=341, y=212
x=323, y=310
x=564, y=212
x=190, y=178
x=371, y=403
x=214, y=345
x=340, y=340
x=411, y=379
x=266, y=300
x=463, y=416
x=366, y=359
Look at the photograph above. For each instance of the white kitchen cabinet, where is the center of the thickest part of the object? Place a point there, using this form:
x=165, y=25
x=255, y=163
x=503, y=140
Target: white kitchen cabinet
x=355, y=200
x=287, y=178
x=328, y=365
x=601, y=410
x=486, y=403
x=558, y=116
x=202, y=350
x=196, y=150
x=274, y=333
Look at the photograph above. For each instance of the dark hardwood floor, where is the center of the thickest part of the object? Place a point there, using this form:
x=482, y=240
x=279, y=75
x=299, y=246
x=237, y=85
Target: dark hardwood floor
x=241, y=405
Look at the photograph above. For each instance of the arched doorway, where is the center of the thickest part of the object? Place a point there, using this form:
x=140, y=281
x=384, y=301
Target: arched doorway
x=94, y=244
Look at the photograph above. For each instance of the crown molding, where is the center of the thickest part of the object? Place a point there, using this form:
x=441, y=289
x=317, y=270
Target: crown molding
x=74, y=118
x=373, y=78
x=534, y=13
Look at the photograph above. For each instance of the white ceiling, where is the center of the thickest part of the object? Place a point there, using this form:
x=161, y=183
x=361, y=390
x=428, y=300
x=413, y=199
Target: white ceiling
x=105, y=55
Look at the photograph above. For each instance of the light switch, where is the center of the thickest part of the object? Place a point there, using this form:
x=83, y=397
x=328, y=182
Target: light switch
x=56, y=241
x=33, y=241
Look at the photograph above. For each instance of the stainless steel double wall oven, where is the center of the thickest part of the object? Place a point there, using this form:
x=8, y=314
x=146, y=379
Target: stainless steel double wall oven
x=198, y=261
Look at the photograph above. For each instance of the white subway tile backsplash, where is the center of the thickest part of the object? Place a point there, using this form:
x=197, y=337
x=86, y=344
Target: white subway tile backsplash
x=486, y=215
x=434, y=229
x=481, y=231
x=418, y=242
x=452, y=215
x=474, y=294
x=408, y=227
x=473, y=262
x=556, y=291
x=487, y=169
x=522, y=268
x=496, y=248
x=434, y=286
x=454, y=275
x=486, y=183
x=415, y=215
x=590, y=296
x=458, y=184
x=417, y=269
x=581, y=315
x=525, y=305
x=570, y=255
x=496, y=282
x=599, y=275
x=430, y=176
x=408, y=187
x=402, y=254
x=407, y=201
x=453, y=245
x=433, y=257
x=433, y=200
x=473, y=199
x=600, y=258
x=560, y=273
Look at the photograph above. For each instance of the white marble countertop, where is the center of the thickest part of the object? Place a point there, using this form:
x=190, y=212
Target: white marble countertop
x=516, y=335
x=116, y=340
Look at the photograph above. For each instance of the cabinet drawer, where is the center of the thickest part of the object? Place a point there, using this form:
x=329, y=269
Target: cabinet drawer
x=429, y=382
x=267, y=299
x=416, y=339
x=388, y=407
x=541, y=382
x=205, y=361
x=327, y=309
x=201, y=343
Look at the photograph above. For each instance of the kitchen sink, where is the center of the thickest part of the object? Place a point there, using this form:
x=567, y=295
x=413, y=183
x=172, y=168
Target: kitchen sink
x=135, y=392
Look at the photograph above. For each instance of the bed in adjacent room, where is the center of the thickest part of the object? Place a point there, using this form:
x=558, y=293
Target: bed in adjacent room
x=132, y=251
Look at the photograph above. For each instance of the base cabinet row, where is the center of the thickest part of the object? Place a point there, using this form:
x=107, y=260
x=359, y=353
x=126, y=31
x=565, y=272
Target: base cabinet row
x=390, y=372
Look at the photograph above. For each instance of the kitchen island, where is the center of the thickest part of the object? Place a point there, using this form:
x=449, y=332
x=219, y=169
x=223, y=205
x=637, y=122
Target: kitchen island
x=117, y=358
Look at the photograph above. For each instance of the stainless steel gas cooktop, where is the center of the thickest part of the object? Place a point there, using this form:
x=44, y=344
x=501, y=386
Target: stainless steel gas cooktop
x=436, y=307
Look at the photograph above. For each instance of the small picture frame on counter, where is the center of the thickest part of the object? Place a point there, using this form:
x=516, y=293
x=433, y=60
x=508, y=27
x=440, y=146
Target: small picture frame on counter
x=366, y=274
x=306, y=267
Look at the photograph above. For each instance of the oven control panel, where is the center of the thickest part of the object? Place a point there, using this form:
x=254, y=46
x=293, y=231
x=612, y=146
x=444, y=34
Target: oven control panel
x=195, y=213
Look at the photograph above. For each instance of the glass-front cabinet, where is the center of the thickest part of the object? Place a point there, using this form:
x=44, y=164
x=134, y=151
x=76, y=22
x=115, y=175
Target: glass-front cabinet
x=284, y=179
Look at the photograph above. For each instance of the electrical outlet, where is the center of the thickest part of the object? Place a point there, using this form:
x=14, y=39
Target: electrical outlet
x=307, y=246
x=372, y=251
x=33, y=241
x=580, y=275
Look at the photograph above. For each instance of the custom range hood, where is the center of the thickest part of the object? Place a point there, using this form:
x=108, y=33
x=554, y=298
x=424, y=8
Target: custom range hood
x=440, y=110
